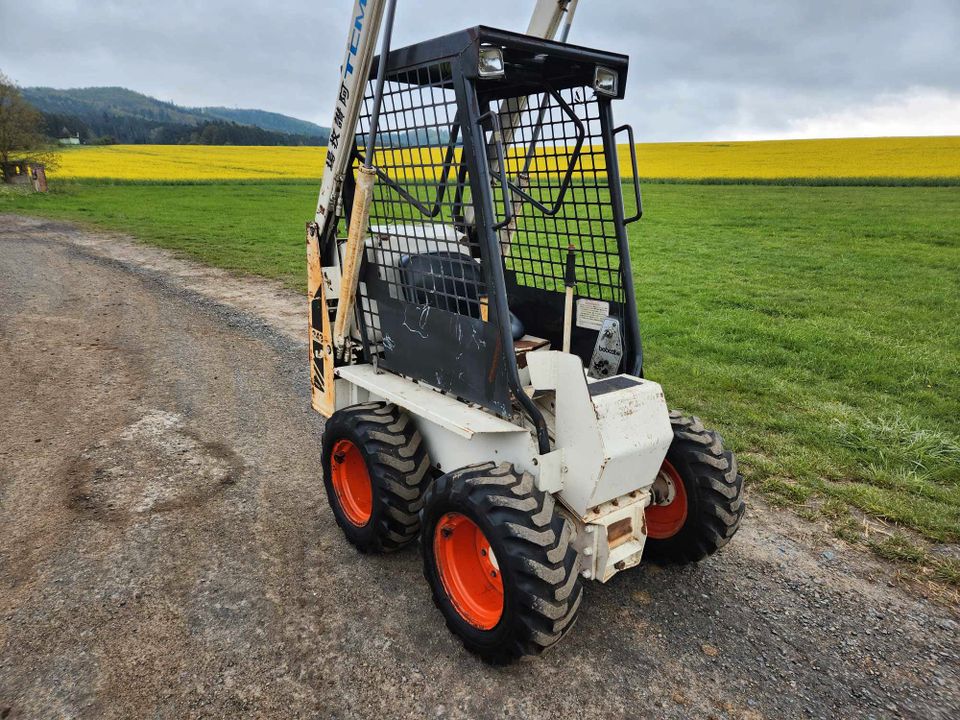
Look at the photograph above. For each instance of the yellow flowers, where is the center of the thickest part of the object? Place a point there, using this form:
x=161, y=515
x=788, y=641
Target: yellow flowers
x=934, y=157
x=191, y=162
x=899, y=157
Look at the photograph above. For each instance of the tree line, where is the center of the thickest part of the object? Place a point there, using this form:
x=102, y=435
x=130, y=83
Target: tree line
x=108, y=128
x=21, y=134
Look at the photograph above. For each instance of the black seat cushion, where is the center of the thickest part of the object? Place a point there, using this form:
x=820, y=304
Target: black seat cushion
x=449, y=281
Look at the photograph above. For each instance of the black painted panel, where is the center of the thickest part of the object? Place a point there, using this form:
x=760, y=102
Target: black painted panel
x=455, y=353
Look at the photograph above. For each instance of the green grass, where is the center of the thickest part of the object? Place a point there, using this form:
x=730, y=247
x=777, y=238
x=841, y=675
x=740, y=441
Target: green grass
x=816, y=327
x=249, y=227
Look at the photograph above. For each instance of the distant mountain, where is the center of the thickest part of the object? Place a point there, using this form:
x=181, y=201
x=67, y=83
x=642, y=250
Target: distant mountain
x=266, y=120
x=86, y=102
x=115, y=114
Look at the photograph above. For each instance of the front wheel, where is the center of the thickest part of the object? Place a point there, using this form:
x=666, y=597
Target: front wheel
x=375, y=470
x=697, y=496
x=500, y=561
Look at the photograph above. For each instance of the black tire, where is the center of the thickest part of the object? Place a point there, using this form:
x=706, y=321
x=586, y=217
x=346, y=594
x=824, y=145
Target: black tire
x=533, y=546
x=714, y=493
x=396, y=461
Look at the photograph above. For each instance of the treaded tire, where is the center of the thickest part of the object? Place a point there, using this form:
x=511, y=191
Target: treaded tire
x=714, y=493
x=533, y=545
x=397, y=464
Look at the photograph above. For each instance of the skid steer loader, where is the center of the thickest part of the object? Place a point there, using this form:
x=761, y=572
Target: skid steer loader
x=474, y=340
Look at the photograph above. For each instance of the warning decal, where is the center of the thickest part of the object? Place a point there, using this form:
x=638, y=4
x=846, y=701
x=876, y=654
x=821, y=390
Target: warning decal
x=592, y=313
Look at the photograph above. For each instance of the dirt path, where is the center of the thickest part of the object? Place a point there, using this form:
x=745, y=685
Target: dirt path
x=167, y=551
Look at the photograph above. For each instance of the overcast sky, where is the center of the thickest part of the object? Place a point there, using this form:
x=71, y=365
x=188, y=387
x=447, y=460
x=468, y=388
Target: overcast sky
x=737, y=69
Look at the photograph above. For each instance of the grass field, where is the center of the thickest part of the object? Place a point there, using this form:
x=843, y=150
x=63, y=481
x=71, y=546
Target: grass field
x=817, y=327
x=864, y=160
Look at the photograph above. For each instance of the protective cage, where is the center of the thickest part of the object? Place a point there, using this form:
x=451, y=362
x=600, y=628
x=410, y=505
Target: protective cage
x=483, y=186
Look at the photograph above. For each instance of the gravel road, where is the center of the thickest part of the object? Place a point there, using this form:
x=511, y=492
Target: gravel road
x=167, y=551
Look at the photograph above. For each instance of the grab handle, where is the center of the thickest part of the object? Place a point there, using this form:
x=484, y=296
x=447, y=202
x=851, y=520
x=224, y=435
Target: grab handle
x=504, y=182
x=636, y=173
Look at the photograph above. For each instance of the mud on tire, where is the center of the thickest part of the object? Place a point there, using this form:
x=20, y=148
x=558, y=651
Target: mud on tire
x=713, y=491
x=390, y=449
x=534, y=555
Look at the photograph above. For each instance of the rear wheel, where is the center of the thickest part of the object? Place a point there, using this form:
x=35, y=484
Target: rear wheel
x=500, y=561
x=697, y=496
x=375, y=470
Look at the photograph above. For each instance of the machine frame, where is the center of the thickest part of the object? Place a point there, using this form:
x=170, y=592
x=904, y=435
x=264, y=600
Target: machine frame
x=568, y=441
x=474, y=336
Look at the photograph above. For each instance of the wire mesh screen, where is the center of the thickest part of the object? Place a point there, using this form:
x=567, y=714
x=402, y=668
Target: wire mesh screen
x=556, y=170
x=423, y=293
x=422, y=250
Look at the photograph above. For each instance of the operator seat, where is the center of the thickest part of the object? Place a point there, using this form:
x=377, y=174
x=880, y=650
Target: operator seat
x=447, y=280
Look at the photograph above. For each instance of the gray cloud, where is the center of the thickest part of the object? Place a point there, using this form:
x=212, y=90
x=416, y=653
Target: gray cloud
x=698, y=69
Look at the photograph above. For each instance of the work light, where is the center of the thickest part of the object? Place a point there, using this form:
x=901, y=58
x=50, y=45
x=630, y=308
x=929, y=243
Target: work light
x=605, y=81
x=491, y=62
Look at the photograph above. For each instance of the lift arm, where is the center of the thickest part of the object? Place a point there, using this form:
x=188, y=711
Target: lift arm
x=352, y=80
x=547, y=16
x=366, y=178
x=361, y=42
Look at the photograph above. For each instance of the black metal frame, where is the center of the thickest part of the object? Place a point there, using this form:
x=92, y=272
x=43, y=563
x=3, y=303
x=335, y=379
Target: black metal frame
x=574, y=157
x=446, y=64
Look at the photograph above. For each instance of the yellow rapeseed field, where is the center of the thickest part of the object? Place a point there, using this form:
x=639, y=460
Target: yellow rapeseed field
x=897, y=157
x=930, y=157
x=190, y=162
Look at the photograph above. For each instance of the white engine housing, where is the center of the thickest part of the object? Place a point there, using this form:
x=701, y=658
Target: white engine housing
x=610, y=439
x=612, y=434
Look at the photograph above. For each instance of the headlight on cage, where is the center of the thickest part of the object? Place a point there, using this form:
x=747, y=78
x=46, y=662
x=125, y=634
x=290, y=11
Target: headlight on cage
x=491, y=62
x=606, y=81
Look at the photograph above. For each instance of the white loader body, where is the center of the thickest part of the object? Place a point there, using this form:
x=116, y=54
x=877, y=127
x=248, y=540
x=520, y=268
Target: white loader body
x=609, y=445
x=609, y=437
x=475, y=342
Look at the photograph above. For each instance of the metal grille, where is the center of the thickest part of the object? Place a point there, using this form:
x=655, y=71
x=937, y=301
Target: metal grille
x=556, y=167
x=421, y=248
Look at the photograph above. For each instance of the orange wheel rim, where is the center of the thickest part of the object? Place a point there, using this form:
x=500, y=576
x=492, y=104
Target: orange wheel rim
x=468, y=570
x=664, y=521
x=351, y=482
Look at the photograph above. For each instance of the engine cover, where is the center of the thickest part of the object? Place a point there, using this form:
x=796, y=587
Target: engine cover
x=612, y=434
